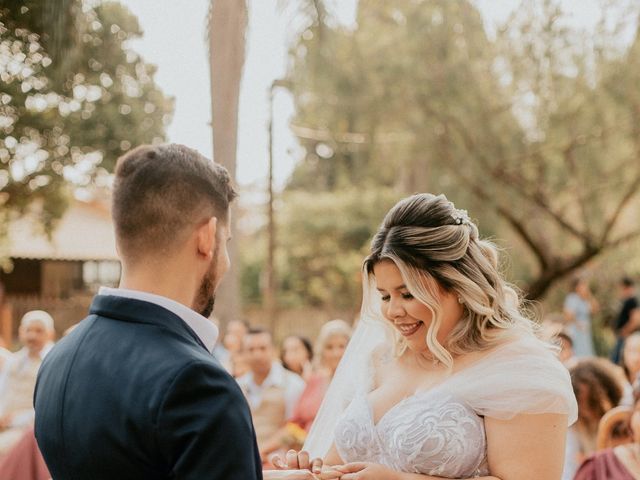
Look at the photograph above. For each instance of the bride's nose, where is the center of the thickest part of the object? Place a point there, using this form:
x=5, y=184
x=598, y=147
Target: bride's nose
x=396, y=309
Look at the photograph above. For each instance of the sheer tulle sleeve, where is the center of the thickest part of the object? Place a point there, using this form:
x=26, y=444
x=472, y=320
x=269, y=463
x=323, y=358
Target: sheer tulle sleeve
x=521, y=377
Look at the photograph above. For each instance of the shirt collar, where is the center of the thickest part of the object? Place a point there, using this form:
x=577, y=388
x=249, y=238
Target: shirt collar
x=202, y=326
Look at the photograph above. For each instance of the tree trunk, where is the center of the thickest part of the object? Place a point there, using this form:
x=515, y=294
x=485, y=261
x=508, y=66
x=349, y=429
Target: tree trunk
x=561, y=268
x=227, y=26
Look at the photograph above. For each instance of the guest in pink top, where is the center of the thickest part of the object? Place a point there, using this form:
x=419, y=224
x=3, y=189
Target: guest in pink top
x=618, y=463
x=332, y=342
x=24, y=461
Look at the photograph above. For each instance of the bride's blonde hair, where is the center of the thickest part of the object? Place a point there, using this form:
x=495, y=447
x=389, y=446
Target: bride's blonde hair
x=435, y=245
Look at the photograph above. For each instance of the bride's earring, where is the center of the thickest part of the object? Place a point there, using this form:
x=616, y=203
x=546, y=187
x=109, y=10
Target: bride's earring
x=460, y=300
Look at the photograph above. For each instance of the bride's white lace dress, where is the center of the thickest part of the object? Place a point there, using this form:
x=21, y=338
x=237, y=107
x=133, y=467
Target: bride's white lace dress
x=441, y=431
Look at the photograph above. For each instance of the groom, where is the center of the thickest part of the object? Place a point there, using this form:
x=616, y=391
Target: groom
x=133, y=392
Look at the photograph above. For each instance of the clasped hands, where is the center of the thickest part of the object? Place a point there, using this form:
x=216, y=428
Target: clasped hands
x=299, y=466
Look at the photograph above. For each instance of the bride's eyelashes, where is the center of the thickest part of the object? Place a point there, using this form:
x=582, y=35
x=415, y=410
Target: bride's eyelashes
x=405, y=296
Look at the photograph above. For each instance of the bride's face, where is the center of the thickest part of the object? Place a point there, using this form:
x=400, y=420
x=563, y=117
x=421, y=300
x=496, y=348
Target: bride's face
x=407, y=314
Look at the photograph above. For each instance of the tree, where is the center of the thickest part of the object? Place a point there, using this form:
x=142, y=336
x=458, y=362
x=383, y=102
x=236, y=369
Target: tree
x=70, y=104
x=226, y=30
x=537, y=128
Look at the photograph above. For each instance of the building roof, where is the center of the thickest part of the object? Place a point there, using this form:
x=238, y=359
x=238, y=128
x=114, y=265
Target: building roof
x=85, y=232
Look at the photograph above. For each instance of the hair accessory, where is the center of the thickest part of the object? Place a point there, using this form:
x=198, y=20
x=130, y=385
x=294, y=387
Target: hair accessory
x=460, y=217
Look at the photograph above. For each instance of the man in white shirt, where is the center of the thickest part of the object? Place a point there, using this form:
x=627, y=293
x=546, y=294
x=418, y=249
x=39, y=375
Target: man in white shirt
x=18, y=379
x=272, y=391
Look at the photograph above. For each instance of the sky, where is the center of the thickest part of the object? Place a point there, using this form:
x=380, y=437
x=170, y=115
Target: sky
x=174, y=40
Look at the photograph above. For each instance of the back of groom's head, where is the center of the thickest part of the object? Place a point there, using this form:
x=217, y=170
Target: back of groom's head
x=160, y=191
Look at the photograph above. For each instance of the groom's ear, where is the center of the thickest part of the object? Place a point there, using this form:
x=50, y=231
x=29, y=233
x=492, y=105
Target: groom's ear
x=206, y=238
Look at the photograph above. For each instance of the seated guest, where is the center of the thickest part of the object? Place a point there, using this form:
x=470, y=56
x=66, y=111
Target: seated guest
x=330, y=347
x=19, y=377
x=618, y=463
x=5, y=354
x=24, y=461
x=296, y=355
x=566, y=354
x=598, y=388
x=631, y=358
x=235, y=360
x=271, y=390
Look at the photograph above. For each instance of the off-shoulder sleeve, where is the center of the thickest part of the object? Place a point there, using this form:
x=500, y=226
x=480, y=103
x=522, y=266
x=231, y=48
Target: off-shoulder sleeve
x=521, y=377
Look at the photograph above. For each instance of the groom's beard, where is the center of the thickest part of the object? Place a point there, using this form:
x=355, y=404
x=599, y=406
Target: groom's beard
x=206, y=296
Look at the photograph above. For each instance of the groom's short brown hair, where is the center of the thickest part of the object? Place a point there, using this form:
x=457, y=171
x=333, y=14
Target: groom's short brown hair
x=159, y=190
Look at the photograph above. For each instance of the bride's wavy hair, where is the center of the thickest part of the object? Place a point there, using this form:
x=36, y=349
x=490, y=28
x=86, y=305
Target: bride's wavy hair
x=435, y=245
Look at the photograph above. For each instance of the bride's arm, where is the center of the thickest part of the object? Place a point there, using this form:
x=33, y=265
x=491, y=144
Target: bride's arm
x=527, y=447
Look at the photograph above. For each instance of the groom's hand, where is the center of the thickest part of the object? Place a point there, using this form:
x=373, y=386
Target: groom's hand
x=301, y=461
x=297, y=460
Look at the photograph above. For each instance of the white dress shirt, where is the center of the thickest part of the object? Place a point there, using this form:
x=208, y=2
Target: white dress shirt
x=292, y=384
x=204, y=328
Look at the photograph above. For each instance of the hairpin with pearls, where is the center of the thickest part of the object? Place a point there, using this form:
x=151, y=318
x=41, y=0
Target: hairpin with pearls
x=460, y=217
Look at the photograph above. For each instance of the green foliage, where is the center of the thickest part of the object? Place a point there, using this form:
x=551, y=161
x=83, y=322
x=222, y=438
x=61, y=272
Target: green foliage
x=535, y=131
x=322, y=240
x=72, y=103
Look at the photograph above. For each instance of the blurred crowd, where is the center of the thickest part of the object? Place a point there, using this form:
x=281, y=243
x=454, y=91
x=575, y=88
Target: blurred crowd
x=284, y=386
x=605, y=441
x=284, y=383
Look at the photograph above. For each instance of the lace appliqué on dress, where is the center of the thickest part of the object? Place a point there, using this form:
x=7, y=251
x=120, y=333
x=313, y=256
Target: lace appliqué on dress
x=424, y=433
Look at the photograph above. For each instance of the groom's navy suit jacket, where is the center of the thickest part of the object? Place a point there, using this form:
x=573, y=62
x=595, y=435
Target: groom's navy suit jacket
x=132, y=393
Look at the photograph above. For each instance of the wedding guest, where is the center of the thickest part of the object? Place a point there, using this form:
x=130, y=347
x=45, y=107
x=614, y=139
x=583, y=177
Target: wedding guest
x=631, y=358
x=5, y=354
x=567, y=355
x=219, y=350
x=233, y=341
x=296, y=355
x=24, y=461
x=19, y=377
x=619, y=463
x=579, y=306
x=271, y=390
x=330, y=347
x=625, y=322
x=598, y=388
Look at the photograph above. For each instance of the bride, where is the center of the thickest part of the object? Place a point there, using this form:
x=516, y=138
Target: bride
x=444, y=377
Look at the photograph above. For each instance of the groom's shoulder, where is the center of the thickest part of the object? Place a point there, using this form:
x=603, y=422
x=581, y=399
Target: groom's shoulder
x=144, y=352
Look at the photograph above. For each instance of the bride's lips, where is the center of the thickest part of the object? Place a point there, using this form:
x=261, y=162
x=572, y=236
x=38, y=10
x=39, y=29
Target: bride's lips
x=408, y=329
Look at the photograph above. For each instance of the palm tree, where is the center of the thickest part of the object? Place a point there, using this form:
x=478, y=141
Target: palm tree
x=227, y=26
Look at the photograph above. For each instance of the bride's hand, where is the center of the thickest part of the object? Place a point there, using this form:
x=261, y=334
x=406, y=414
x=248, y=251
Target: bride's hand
x=366, y=471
